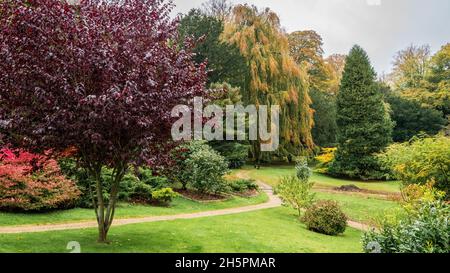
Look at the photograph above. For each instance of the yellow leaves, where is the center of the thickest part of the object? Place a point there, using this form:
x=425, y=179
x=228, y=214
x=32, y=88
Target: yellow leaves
x=275, y=78
x=414, y=194
x=273, y=66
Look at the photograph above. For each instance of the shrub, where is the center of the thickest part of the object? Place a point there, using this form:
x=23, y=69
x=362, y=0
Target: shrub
x=77, y=174
x=295, y=191
x=325, y=217
x=324, y=159
x=147, y=188
x=180, y=172
x=198, y=165
x=163, y=196
x=74, y=172
x=206, y=170
x=421, y=161
x=141, y=193
x=243, y=185
x=30, y=182
x=302, y=170
x=146, y=176
x=414, y=195
x=424, y=230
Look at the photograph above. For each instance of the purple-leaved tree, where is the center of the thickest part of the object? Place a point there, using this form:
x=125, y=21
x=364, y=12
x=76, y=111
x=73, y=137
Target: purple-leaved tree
x=98, y=76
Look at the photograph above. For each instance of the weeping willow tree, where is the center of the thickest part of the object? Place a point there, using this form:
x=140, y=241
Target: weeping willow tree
x=274, y=78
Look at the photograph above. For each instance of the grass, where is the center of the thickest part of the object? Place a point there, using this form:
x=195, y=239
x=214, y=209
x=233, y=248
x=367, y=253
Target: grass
x=272, y=174
x=358, y=207
x=124, y=210
x=265, y=231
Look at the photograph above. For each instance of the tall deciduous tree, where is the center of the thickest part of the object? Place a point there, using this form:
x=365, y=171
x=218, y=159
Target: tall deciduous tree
x=324, y=77
x=336, y=64
x=306, y=49
x=221, y=9
x=101, y=77
x=410, y=66
x=364, y=125
x=275, y=78
x=423, y=78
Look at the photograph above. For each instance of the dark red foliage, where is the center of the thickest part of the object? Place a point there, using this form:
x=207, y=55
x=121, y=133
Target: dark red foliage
x=23, y=187
x=100, y=77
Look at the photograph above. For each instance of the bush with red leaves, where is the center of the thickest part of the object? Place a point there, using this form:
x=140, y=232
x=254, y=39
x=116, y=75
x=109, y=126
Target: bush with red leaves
x=30, y=182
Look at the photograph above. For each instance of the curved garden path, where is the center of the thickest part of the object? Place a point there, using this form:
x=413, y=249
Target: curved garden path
x=273, y=202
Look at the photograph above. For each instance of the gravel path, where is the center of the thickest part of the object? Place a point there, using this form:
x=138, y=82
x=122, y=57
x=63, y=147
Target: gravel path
x=273, y=202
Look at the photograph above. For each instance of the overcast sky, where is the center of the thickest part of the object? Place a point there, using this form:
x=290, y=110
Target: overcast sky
x=381, y=27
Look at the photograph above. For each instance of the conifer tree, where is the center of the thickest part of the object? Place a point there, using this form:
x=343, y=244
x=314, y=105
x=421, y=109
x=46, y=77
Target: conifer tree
x=364, y=125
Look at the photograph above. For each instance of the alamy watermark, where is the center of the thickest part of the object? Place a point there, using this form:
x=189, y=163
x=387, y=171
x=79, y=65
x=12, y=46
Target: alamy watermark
x=191, y=125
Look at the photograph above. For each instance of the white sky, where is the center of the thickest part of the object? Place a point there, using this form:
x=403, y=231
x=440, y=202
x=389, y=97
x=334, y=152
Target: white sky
x=381, y=27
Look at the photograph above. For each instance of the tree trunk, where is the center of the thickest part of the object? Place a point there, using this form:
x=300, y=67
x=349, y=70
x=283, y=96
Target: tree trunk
x=105, y=214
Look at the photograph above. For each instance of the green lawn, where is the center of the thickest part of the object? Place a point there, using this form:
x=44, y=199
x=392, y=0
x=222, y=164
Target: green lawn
x=270, y=230
x=358, y=207
x=124, y=210
x=272, y=174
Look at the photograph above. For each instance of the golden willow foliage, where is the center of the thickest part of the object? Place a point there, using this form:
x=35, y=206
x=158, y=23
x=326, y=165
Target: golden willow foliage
x=274, y=77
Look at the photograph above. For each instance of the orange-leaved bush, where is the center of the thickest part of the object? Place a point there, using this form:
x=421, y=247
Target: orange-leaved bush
x=29, y=182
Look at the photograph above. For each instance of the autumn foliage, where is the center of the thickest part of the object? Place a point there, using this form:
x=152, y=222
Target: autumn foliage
x=99, y=76
x=31, y=182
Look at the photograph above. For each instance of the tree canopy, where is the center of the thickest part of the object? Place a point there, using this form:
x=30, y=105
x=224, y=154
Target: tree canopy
x=224, y=61
x=99, y=77
x=274, y=77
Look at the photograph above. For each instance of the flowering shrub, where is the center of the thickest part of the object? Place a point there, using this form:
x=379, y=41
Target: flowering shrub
x=28, y=182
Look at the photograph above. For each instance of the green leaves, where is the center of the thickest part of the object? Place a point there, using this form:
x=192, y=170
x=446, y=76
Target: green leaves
x=296, y=191
x=421, y=161
x=364, y=125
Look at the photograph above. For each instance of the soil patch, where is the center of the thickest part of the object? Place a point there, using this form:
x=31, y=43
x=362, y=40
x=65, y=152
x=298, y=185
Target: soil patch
x=349, y=188
x=202, y=197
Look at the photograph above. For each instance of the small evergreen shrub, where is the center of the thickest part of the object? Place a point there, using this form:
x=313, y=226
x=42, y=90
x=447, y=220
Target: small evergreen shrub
x=302, y=170
x=163, y=196
x=325, y=217
x=146, y=176
x=141, y=193
x=243, y=185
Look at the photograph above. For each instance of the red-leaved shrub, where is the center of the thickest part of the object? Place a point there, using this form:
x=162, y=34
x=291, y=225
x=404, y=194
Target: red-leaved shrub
x=31, y=182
